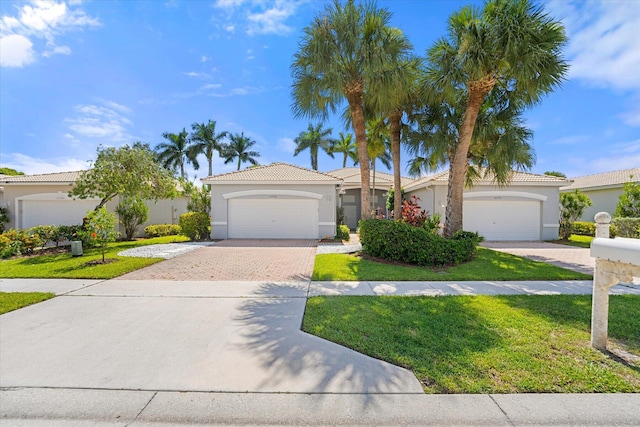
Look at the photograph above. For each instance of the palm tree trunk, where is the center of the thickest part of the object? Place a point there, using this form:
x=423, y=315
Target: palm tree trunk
x=182, y=169
x=394, y=121
x=239, y=162
x=210, y=159
x=314, y=156
x=373, y=190
x=459, y=164
x=344, y=161
x=357, y=117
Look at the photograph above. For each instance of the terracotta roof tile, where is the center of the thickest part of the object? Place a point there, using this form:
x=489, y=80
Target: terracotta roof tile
x=516, y=177
x=45, y=177
x=274, y=172
x=606, y=179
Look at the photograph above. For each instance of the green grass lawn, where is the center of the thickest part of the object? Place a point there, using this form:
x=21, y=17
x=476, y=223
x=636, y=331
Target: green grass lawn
x=576, y=240
x=10, y=301
x=487, y=344
x=488, y=265
x=65, y=266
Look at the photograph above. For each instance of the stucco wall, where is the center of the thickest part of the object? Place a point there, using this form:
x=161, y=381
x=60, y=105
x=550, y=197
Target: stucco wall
x=601, y=201
x=165, y=211
x=326, y=206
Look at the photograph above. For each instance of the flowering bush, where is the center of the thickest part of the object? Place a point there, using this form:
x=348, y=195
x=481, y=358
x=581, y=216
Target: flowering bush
x=412, y=214
x=18, y=242
x=100, y=229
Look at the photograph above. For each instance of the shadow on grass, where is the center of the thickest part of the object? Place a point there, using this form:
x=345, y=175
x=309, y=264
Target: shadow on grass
x=299, y=362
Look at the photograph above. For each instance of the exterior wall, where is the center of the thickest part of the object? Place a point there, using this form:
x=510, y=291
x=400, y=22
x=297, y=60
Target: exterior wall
x=165, y=211
x=434, y=200
x=605, y=200
x=326, y=213
x=351, y=203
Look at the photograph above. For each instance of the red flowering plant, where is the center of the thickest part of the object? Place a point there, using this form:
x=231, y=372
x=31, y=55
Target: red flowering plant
x=99, y=229
x=412, y=214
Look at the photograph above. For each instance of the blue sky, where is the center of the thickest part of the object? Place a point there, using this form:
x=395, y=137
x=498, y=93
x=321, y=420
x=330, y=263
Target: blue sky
x=76, y=74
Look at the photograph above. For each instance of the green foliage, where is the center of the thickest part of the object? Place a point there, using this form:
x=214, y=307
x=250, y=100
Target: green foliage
x=128, y=171
x=411, y=212
x=347, y=147
x=18, y=242
x=133, y=212
x=314, y=138
x=398, y=241
x=177, y=151
x=432, y=223
x=4, y=217
x=239, y=148
x=159, y=230
x=571, y=207
x=555, y=173
x=195, y=225
x=9, y=171
x=627, y=227
x=199, y=198
x=68, y=233
x=48, y=233
x=629, y=201
x=339, y=216
x=584, y=228
x=390, y=199
x=205, y=140
x=342, y=232
x=99, y=229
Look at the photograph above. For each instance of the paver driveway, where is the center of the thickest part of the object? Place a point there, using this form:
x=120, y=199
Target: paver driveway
x=272, y=260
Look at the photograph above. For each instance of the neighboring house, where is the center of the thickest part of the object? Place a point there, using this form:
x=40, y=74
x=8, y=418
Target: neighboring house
x=525, y=209
x=604, y=190
x=43, y=200
x=278, y=201
x=349, y=198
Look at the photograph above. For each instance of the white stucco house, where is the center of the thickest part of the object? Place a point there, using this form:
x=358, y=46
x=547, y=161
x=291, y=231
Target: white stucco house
x=604, y=190
x=285, y=201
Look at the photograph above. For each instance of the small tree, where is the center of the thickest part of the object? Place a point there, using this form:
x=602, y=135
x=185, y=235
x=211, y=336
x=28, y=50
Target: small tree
x=555, y=173
x=571, y=207
x=100, y=228
x=629, y=201
x=4, y=217
x=133, y=212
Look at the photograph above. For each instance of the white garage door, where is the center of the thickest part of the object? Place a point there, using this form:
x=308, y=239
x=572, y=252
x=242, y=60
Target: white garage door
x=503, y=220
x=272, y=219
x=55, y=212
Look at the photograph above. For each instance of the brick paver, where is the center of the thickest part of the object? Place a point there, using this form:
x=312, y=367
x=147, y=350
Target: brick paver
x=273, y=260
x=570, y=257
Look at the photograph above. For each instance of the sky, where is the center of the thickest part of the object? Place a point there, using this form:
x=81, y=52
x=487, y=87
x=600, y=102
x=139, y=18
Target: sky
x=75, y=75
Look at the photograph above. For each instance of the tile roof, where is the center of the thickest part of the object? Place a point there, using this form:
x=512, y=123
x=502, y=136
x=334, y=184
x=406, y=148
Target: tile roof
x=282, y=172
x=43, y=178
x=352, y=176
x=516, y=177
x=615, y=178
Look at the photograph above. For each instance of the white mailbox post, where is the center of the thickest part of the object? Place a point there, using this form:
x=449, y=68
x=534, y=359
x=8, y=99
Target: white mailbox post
x=617, y=260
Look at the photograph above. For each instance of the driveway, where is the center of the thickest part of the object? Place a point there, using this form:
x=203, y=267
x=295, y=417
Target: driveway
x=569, y=257
x=237, y=259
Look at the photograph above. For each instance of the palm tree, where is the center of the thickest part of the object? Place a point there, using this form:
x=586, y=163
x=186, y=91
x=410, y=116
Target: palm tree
x=347, y=147
x=174, y=153
x=344, y=53
x=511, y=45
x=238, y=149
x=312, y=139
x=206, y=141
x=377, y=147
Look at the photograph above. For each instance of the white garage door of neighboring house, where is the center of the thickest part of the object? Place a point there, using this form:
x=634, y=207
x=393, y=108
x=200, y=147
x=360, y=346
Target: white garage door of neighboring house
x=503, y=219
x=55, y=212
x=272, y=218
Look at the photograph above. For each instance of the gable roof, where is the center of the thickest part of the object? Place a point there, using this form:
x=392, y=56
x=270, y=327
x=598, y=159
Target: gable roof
x=56, y=177
x=274, y=173
x=517, y=177
x=351, y=176
x=607, y=179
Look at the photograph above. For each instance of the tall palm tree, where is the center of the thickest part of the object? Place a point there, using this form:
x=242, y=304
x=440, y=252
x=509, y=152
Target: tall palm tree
x=314, y=138
x=345, y=52
x=377, y=147
x=174, y=153
x=206, y=141
x=346, y=147
x=238, y=148
x=511, y=45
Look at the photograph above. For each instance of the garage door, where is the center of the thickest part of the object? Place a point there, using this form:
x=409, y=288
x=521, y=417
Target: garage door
x=503, y=220
x=272, y=219
x=55, y=212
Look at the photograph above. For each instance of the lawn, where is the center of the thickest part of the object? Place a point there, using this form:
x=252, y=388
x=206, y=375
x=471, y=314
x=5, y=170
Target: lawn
x=576, y=240
x=10, y=301
x=488, y=265
x=64, y=266
x=487, y=344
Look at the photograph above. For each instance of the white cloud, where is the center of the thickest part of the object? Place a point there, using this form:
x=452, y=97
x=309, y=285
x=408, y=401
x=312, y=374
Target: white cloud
x=211, y=86
x=258, y=16
x=230, y=28
x=287, y=145
x=272, y=20
x=624, y=155
x=43, y=19
x=33, y=165
x=204, y=58
x=106, y=121
x=16, y=51
x=196, y=74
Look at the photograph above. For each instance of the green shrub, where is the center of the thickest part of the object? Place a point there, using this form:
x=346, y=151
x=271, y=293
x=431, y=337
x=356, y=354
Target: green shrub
x=571, y=207
x=18, y=242
x=4, y=217
x=160, y=230
x=133, y=212
x=67, y=233
x=343, y=232
x=48, y=233
x=195, y=225
x=626, y=227
x=99, y=229
x=398, y=241
x=584, y=228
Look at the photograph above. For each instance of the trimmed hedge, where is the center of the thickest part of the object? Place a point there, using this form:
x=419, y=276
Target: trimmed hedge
x=397, y=241
x=195, y=225
x=342, y=233
x=584, y=228
x=626, y=227
x=161, y=230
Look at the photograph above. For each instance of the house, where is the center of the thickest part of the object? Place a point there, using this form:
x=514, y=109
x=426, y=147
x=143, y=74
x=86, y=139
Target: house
x=43, y=199
x=277, y=201
x=349, y=199
x=525, y=209
x=604, y=190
